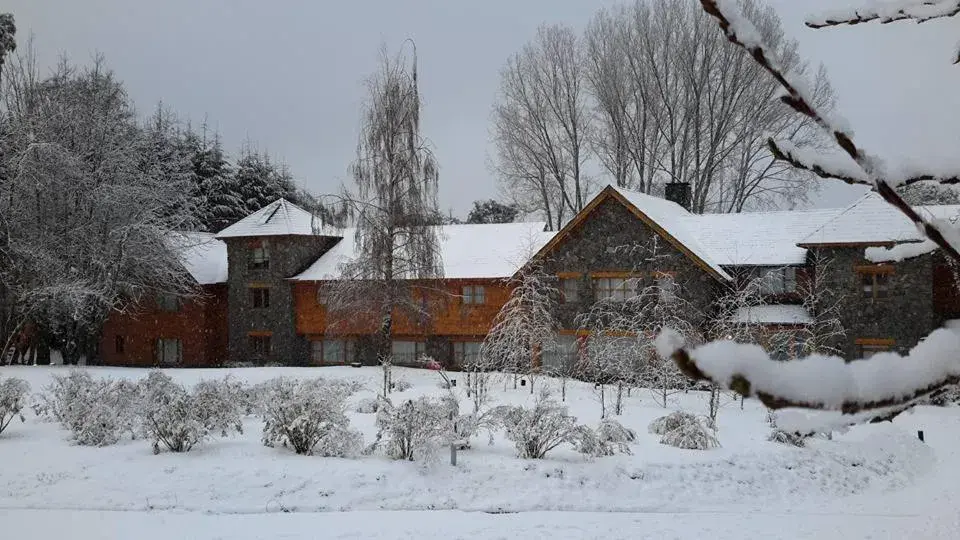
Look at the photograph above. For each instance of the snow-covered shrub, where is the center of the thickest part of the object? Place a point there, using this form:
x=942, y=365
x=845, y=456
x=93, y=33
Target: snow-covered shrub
x=309, y=416
x=413, y=429
x=400, y=385
x=946, y=397
x=178, y=419
x=13, y=398
x=537, y=430
x=96, y=411
x=684, y=430
x=609, y=438
x=367, y=406
x=784, y=437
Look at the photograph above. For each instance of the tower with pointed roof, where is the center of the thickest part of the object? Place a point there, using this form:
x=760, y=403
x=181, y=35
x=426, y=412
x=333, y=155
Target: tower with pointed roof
x=264, y=249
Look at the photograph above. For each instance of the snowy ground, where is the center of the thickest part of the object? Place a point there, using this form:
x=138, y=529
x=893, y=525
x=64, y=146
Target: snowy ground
x=876, y=481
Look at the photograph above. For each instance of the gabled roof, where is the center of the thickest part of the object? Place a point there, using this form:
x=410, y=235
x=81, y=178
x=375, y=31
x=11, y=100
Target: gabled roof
x=758, y=238
x=871, y=220
x=467, y=251
x=279, y=218
x=204, y=257
x=666, y=218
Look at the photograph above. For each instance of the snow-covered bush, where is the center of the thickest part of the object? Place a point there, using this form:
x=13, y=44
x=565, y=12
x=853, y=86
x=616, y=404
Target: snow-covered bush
x=537, y=430
x=309, y=416
x=684, y=430
x=13, y=398
x=178, y=419
x=96, y=411
x=609, y=438
x=367, y=406
x=784, y=437
x=399, y=385
x=414, y=429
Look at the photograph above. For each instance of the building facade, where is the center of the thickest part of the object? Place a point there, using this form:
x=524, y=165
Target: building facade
x=265, y=282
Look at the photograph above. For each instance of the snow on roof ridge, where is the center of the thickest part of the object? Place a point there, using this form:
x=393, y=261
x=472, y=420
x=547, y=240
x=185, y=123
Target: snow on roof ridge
x=293, y=220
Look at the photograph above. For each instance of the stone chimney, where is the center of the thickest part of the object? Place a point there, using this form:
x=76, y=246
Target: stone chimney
x=679, y=192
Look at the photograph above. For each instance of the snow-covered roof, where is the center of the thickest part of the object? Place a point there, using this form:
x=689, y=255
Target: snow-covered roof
x=758, y=238
x=773, y=314
x=279, y=218
x=675, y=221
x=203, y=256
x=872, y=220
x=467, y=251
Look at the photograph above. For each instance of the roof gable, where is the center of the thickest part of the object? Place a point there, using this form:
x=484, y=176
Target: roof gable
x=279, y=218
x=666, y=218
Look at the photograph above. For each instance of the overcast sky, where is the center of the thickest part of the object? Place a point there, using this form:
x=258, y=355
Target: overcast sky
x=289, y=74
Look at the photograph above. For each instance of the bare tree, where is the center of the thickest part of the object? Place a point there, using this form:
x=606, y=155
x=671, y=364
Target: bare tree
x=393, y=206
x=525, y=327
x=674, y=102
x=887, y=384
x=8, y=41
x=540, y=126
x=824, y=332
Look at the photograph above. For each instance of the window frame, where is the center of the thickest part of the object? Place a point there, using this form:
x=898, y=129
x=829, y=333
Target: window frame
x=169, y=302
x=873, y=346
x=570, y=289
x=258, y=255
x=161, y=349
x=616, y=289
x=874, y=282
x=462, y=357
x=473, y=295
x=778, y=280
x=259, y=294
x=255, y=340
x=419, y=351
x=319, y=351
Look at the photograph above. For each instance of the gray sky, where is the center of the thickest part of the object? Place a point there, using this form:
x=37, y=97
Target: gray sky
x=289, y=74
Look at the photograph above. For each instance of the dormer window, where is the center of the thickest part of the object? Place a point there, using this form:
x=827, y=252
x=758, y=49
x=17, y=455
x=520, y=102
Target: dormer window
x=778, y=280
x=259, y=255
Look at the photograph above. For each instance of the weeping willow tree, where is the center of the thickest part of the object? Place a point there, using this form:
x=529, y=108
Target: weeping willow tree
x=392, y=205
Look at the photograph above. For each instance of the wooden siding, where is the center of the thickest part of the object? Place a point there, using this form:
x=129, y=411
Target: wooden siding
x=200, y=325
x=449, y=315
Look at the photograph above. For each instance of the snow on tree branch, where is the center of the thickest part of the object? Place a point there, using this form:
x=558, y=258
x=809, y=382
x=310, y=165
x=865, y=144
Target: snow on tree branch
x=917, y=10
x=888, y=380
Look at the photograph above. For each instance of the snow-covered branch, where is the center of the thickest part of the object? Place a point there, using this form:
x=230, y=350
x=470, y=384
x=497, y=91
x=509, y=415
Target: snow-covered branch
x=917, y=10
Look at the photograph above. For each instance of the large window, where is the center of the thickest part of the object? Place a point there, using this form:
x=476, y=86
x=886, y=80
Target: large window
x=331, y=351
x=616, y=289
x=778, y=280
x=570, y=287
x=259, y=253
x=473, y=295
x=466, y=353
x=259, y=297
x=259, y=345
x=169, y=351
x=407, y=352
x=875, y=281
x=168, y=302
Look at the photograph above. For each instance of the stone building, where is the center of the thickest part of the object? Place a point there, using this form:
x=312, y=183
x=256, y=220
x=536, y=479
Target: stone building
x=263, y=281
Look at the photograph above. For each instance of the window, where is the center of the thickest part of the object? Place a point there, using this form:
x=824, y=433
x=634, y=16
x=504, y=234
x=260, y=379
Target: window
x=259, y=345
x=466, y=353
x=260, y=297
x=875, y=280
x=867, y=347
x=331, y=351
x=570, y=288
x=322, y=295
x=407, y=352
x=119, y=344
x=668, y=288
x=259, y=255
x=169, y=351
x=473, y=295
x=778, y=280
x=617, y=289
x=168, y=302
x=563, y=356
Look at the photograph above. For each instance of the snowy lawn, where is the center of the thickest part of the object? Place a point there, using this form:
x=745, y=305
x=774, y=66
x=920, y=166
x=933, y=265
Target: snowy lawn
x=856, y=482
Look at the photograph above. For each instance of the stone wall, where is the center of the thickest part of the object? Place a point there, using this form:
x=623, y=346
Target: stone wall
x=289, y=255
x=601, y=244
x=906, y=315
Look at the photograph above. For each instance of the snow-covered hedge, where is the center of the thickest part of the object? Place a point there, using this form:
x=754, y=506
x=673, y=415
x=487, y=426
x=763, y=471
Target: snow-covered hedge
x=179, y=420
x=545, y=426
x=96, y=411
x=414, y=429
x=367, y=406
x=784, y=437
x=309, y=416
x=13, y=398
x=684, y=430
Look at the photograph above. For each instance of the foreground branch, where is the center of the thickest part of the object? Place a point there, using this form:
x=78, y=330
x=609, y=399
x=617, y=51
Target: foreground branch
x=920, y=11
